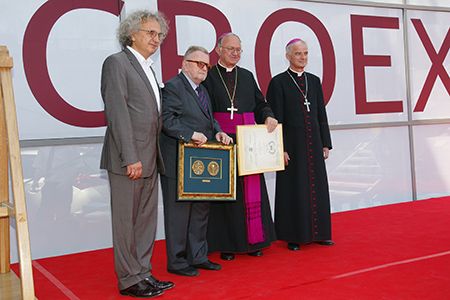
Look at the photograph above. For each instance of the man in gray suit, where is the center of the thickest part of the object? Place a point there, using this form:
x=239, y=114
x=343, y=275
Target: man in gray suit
x=131, y=152
x=187, y=116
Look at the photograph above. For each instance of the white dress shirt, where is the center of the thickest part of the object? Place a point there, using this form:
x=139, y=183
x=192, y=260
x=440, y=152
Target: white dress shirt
x=146, y=65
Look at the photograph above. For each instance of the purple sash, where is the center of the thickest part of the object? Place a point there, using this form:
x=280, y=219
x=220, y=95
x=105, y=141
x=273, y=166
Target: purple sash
x=252, y=184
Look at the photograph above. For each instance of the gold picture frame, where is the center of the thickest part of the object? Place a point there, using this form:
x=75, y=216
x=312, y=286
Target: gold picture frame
x=206, y=172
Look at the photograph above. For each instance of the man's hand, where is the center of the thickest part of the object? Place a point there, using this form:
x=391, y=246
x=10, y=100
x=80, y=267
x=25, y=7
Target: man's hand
x=199, y=138
x=223, y=138
x=286, y=158
x=134, y=171
x=271, y=124
x=326, y=153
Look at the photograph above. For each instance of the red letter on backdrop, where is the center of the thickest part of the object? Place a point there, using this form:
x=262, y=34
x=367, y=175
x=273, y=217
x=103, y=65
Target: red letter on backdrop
x=437, y=67
x=262, y=47
x=170, y=60
x=360, y=61
x=35, y=60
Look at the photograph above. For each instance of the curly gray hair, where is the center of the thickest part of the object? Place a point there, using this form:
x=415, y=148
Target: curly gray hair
x=132, y=23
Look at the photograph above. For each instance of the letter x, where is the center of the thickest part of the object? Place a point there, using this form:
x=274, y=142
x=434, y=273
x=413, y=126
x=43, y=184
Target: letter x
x=437, y=67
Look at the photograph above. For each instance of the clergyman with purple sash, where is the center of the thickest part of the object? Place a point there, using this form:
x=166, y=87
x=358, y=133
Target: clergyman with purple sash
x=245, y=225
x=302, y=201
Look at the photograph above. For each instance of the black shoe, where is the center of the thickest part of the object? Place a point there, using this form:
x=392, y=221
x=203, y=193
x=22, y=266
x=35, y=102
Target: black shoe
x=208, y=265
x=325, y=243
x=141, y=290
x=188, y=271
x=226, y=256
x=256, y=253
x=293, y=246
x=163, y=285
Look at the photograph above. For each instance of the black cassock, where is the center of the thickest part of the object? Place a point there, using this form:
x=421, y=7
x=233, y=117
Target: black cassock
x=302, y=201
x=227, y=227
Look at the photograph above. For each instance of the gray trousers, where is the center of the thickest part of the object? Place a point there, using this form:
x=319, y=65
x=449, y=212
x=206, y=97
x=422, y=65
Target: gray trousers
x=185, y=225
x=134, y=211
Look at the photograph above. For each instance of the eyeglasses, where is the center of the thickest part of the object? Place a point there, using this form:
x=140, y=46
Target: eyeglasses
x=152, y=34
x=232, y=50
x=200, y=64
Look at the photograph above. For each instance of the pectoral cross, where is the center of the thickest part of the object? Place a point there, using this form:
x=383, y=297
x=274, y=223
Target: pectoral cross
x=232, y=109
x=307, y=103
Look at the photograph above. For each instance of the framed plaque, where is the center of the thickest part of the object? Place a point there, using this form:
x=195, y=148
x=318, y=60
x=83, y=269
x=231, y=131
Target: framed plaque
x=259, y=151
x=207, y=172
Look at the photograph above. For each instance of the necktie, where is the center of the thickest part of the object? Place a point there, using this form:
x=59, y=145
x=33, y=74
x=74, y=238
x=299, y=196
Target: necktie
x=202, y=98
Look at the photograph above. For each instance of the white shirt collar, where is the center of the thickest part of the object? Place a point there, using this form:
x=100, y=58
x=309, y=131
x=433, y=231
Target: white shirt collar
x=298, y=73
x=146, y=66
x=226, y=68
x=194, y=86
x=141, y=58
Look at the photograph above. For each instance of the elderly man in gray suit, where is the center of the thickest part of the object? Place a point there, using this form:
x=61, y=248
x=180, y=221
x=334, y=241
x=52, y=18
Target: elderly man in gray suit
x=187, y=116
x=131, y=152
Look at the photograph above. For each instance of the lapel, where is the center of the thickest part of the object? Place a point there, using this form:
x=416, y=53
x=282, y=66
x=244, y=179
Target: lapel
x=209, y=112
x=160, y=92
x=194, y=95
x=137, y=66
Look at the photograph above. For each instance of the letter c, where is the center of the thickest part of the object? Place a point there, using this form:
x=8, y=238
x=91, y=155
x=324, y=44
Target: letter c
x=35, y=60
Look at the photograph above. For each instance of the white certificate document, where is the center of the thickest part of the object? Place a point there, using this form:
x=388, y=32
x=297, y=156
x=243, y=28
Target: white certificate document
x=258, y=150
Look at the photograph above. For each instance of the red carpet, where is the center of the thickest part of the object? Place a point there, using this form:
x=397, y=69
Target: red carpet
x=399, y=251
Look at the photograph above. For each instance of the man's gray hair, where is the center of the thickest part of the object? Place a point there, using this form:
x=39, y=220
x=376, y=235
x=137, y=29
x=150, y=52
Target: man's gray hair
x=292, y=42
x=220, y=39
x=193, y=49
x=132, y=23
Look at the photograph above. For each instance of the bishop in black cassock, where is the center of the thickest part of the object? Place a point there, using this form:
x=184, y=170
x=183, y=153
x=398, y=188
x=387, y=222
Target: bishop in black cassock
x=302, y=201
x=233, y=90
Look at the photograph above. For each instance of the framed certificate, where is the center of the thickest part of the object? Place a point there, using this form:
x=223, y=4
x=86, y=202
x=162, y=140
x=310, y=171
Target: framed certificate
x=259, y=151
x=207, y=172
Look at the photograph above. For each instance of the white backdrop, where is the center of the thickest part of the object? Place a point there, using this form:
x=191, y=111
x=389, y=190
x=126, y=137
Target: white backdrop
x=80, y=39
x=371, y=60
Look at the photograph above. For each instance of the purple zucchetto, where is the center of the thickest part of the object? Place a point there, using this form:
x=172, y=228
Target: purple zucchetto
x=293, y=41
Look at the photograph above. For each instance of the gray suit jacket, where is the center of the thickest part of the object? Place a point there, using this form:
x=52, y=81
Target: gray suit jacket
x=182, y=115
x=134, y=122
